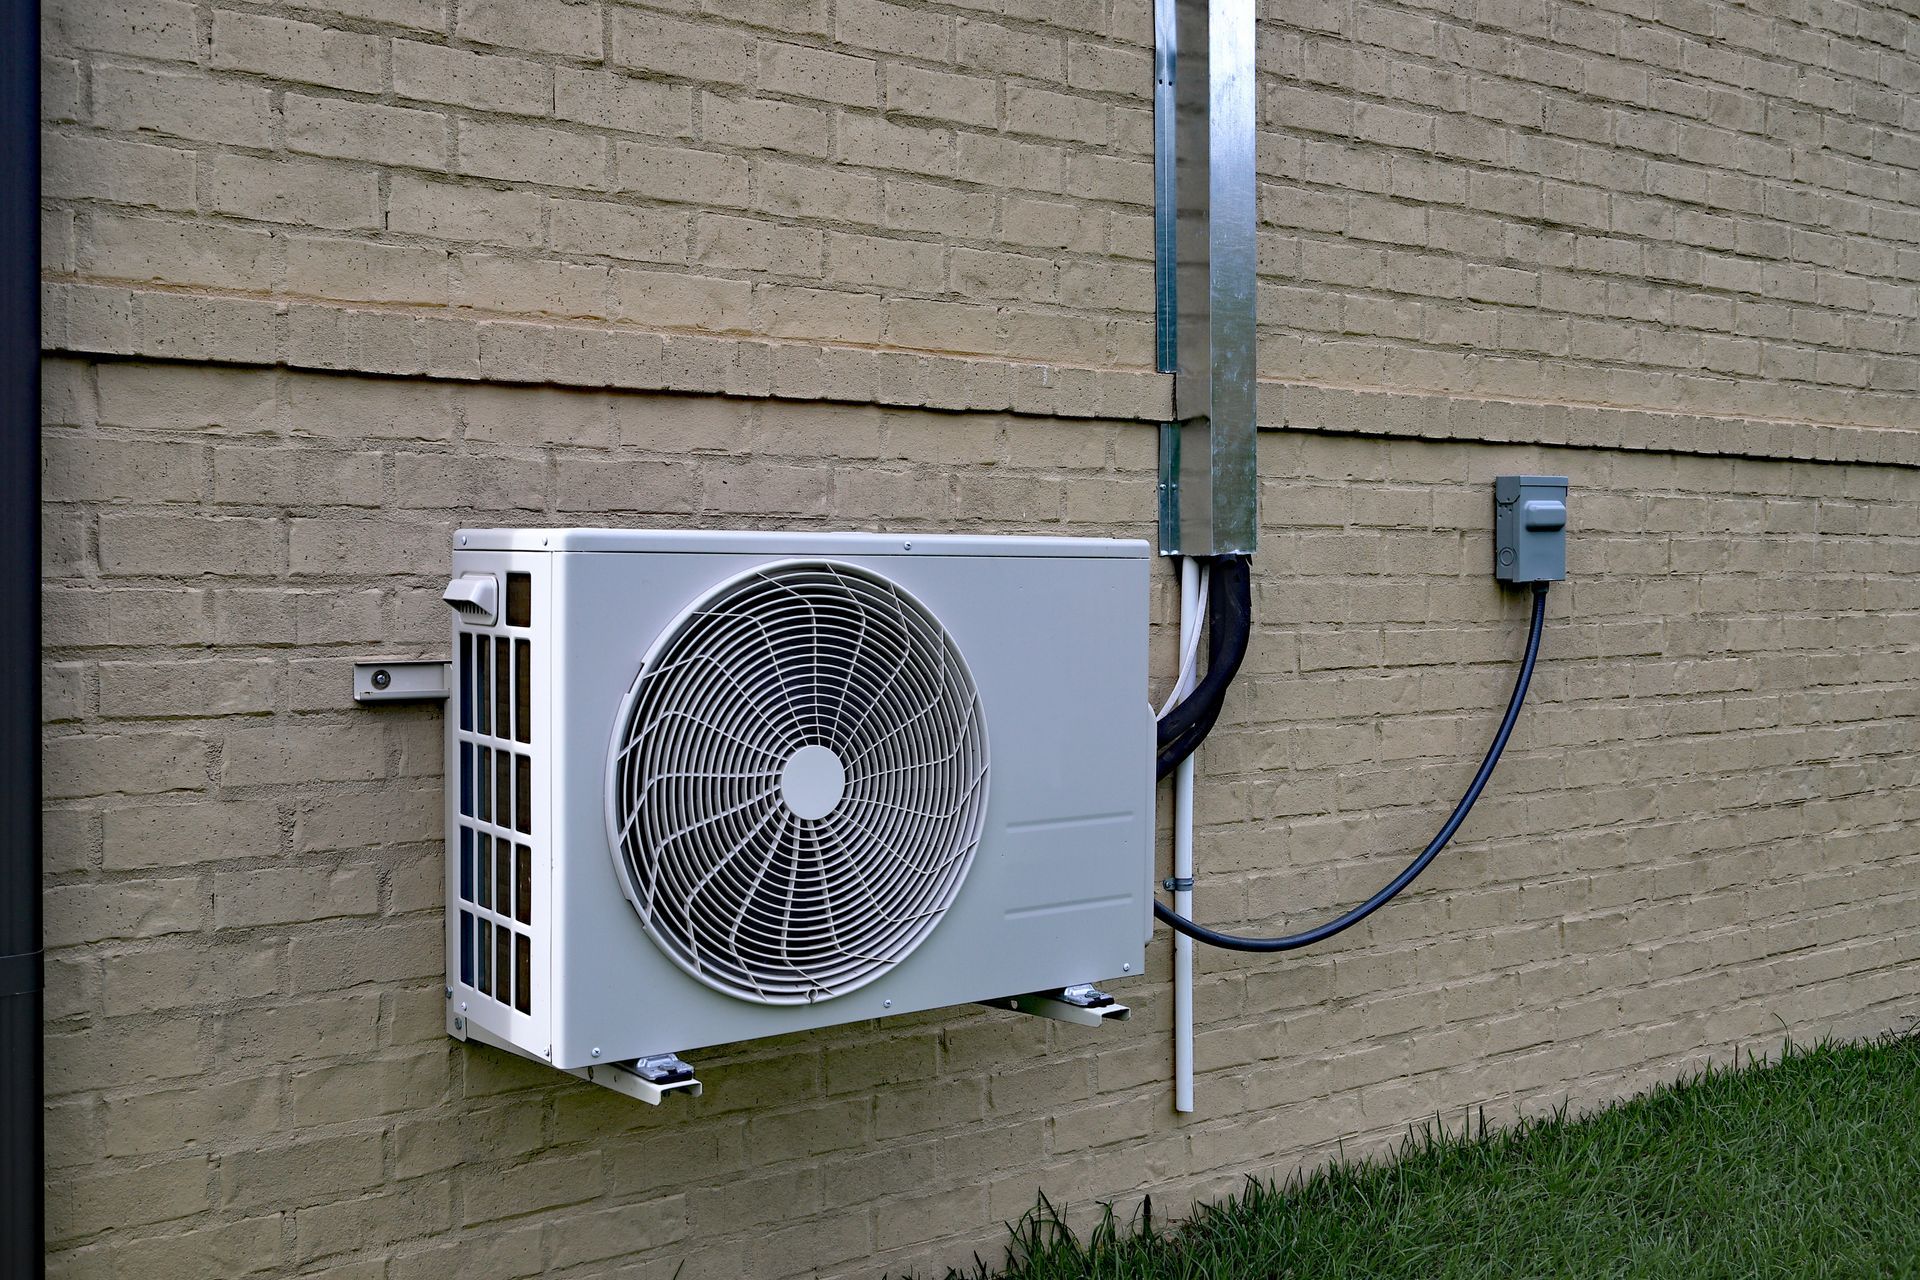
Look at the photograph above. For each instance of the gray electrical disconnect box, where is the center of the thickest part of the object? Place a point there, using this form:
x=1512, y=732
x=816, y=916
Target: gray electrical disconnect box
x=1530, y=528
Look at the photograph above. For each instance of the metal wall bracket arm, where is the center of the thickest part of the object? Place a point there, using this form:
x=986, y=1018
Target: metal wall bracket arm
x=1083, y=1005
x=648, y=1079
x=402, y=680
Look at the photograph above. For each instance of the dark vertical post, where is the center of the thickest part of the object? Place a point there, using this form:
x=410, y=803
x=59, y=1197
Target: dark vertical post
x=22, y=1197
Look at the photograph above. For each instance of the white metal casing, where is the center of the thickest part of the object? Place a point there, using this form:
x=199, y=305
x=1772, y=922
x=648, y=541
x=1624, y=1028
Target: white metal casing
x=1054, y=632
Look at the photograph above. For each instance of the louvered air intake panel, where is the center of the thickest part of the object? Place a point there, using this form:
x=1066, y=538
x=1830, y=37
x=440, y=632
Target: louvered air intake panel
x=776, y=781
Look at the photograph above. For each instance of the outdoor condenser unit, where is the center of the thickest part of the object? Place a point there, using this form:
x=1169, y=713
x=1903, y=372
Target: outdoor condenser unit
x=710, y=786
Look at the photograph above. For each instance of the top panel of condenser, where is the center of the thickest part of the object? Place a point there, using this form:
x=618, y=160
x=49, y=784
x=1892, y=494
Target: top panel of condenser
x=795, y=543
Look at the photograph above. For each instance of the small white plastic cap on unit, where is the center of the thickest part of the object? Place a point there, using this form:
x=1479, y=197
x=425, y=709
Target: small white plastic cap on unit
x=475, y=597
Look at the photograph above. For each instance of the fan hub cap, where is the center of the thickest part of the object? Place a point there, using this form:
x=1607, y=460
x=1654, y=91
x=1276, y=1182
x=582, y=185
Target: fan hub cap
x=813, y=782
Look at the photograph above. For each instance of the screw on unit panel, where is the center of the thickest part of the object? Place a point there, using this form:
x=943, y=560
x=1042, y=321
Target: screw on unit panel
x=596, y=1053
x=886, y=1004
x=1126, y=968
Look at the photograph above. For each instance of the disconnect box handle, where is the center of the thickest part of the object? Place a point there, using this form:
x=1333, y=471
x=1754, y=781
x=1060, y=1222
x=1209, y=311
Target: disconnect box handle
x=1544, y=515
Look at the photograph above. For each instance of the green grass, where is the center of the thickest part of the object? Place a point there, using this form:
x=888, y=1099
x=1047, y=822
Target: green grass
x=1802, y=1167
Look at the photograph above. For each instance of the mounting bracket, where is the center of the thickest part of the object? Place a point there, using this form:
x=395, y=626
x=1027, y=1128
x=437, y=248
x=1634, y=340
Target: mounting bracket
x=1085, y=1005
x=402, y=680
x=648, y=1079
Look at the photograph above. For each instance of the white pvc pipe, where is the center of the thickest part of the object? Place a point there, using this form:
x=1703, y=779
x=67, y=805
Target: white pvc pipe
x=1183, y=862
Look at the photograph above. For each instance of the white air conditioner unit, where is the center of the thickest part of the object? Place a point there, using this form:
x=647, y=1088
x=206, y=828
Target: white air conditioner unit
x=705, y=787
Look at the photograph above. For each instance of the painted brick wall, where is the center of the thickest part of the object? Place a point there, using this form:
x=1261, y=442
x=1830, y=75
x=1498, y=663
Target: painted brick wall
x=1702, y=837
x=326, y=281
x=1674, y=204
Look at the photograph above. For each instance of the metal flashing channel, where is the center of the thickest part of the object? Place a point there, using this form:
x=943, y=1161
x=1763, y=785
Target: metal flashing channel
x=1205, y=212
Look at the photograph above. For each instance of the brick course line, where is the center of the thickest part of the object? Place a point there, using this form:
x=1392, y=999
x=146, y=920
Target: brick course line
x=166, y=325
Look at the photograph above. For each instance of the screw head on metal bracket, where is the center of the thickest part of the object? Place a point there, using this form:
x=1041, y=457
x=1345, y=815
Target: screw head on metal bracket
x=382, y=678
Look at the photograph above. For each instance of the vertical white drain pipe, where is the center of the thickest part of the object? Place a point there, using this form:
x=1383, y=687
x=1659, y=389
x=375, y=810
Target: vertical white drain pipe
x=1183, y=861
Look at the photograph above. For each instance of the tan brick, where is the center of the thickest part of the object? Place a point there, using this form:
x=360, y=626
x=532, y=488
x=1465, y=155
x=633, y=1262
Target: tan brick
x=300, y=1173
x=763, y=123
x=1055, y=115
x=623, y=103
x=314, y=195
x=532, y=153
x=709, y=52
x=248, y=1247
x=287, y=1032
x=133, y=173
x=619, y=231
x=188, y=545
x=809, y=191
x=165, y=690
x=538, y=1184
x=126, y=909
x=98, y=470
x=366, y=131
x=487, y=82
x=598, y=484
x=695, y=177
x=293, y=477
x=326, y=268
x=243, y=899
x=302, y=51
x=754, y=245
x=463, y=212
x=491, y=282
x=1038, y=55
x=916, y=265
x=578, y=1238
x=182, y=106
x=942, y=95
x=93, y=1202
x=187, y=975
x=819, y=74
x=147, y=28
x=882, y=144
x=547, y=26
x=355, y=1090
x=894, y=28
x=302, y=753
x=136, y=249
x=370, y=408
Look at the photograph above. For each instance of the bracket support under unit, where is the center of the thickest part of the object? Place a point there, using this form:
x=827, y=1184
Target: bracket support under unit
x=648, y=1079
x=402, y=680
x=1085, y=1005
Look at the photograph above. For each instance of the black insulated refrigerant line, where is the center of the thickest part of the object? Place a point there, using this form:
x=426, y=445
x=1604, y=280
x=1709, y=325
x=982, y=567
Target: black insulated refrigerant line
x=22, y=1200
x=1339, y=924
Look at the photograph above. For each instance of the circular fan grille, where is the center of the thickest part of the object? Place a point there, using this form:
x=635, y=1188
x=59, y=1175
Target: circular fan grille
x=798, y=782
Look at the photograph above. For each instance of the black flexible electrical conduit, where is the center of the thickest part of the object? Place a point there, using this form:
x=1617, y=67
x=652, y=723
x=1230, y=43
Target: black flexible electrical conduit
x=1320, y=933
x=1229, y=622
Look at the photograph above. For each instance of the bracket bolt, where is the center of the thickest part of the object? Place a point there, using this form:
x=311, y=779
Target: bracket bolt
x=382, y=678
x=459, y=1024
x=449, y=991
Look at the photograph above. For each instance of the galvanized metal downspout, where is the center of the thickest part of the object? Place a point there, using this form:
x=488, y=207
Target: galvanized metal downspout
x=22, y=1198
x=1205, y=265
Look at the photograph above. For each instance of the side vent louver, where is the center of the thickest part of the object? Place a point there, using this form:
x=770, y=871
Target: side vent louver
x=495, y=682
